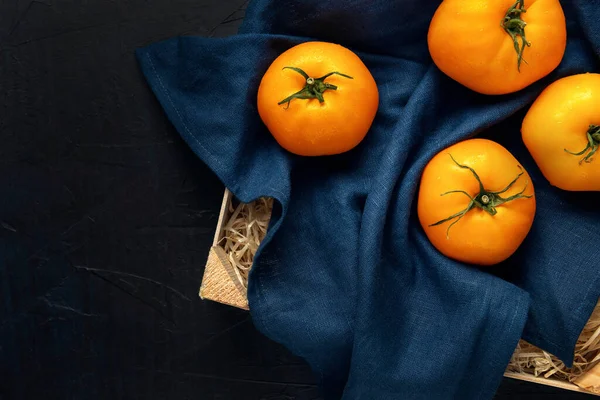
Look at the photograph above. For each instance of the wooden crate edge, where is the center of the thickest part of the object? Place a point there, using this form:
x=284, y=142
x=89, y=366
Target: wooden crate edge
x=547, y=382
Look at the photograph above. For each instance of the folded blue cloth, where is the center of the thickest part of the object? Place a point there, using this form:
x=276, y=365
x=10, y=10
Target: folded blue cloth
x=346, y=277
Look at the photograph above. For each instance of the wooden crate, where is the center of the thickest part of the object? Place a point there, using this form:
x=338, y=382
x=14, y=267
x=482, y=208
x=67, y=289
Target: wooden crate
x=221, y=285
x=219, y=282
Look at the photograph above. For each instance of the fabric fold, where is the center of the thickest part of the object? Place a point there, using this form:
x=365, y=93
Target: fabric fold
x=346, y=277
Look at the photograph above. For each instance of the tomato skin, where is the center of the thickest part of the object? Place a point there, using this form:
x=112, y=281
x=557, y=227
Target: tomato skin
x=479, y=237
x=559, y=119
x=308, y=127
x=467, y=42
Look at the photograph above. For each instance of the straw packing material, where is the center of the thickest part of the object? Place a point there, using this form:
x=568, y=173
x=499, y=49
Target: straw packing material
x=248, y=225
x=532, y=360
x=243, y=233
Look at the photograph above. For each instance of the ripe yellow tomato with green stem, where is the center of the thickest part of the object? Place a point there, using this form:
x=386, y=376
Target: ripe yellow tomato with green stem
x=318, y=99
x=497, y=46
x=562, y=132
x=476, y=202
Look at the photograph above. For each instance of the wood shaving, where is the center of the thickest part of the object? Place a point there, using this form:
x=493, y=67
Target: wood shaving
x=243, y=232
x=248, y=225
x=531, y=360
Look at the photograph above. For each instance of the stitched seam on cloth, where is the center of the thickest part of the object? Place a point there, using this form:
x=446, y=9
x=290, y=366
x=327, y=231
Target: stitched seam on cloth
x=512, y=321
x=587, y=293
x=263, y=300
x=276, y=191
x=259, y=271
x=538, y=337
x=510, y=327
x=189, y=133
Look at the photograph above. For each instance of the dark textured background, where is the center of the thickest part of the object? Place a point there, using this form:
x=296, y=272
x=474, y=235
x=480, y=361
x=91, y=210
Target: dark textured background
x=106, y=218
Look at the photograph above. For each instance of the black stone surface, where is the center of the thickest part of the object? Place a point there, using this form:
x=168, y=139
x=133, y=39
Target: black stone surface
x=106, y=218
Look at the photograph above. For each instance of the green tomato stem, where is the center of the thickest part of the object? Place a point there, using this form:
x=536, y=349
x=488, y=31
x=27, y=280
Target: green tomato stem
x=314, y=87
x=486, y=200
x=514, y=25
x=593, y=137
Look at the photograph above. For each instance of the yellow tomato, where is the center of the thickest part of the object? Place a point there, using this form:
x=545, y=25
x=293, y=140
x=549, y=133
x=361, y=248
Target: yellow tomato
x=562, y=132
x=497, y=46
x=318, y=99
x=476, y=203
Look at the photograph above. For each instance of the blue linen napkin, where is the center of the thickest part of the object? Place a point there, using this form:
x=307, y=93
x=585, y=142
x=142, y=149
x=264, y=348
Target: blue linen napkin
x=346, y=277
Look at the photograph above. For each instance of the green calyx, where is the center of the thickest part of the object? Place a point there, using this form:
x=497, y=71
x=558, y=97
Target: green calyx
x=314, y=88
x=514, y=25
x=485, y=200
x=593, y=136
